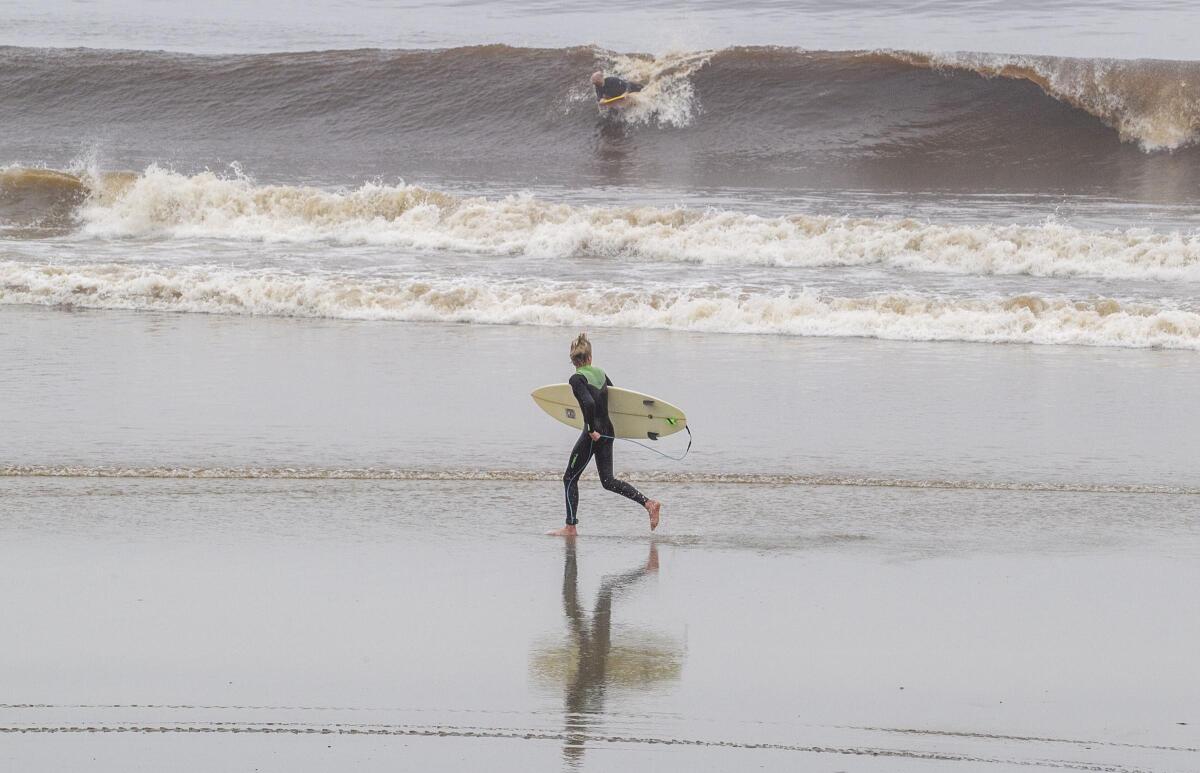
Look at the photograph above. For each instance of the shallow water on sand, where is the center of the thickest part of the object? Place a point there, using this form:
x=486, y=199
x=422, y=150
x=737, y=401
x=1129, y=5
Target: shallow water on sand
x=428, y=622
x=118, y=390
x=219, y=525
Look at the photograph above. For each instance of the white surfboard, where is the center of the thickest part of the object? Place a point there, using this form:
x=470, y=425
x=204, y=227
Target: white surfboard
x=633, y=414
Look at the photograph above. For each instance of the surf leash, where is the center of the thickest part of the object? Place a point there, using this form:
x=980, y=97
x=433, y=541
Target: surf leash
x=655, y=450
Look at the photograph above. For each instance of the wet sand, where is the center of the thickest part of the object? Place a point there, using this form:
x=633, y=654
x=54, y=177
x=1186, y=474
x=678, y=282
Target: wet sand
x=148, y=389
x=298, y=625
x=306, y=624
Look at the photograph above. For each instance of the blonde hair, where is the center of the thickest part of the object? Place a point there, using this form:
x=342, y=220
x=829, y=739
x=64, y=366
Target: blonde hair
x=581, y=350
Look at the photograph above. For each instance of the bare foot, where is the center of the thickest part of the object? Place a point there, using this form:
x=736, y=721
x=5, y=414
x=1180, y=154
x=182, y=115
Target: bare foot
x=653, y=506
x=566, y=531
x=652, y=561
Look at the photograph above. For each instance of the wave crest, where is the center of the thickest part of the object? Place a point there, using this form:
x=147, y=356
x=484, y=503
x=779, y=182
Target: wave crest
x=1155, y=103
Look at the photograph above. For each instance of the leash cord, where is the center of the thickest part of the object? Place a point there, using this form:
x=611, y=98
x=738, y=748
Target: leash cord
x=655, y=450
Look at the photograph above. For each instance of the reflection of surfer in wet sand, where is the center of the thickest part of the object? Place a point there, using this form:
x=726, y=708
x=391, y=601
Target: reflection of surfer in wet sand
x=612, y=91
x=593, y=643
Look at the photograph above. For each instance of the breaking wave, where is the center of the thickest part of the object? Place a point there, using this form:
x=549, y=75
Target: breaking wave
x=756, y=116
x=164, y=204
x=486, y=300
x=1154, y=103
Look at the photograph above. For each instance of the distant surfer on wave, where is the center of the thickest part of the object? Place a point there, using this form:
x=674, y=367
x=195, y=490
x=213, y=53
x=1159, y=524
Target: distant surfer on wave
x=590, y=387
x=612, y=86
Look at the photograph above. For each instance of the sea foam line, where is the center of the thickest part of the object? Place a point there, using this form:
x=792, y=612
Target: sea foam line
x=907, y=316
x=574, y=735
x=520, y=476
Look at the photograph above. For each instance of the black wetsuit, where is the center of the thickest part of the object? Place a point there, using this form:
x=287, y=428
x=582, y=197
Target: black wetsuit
x=615, y=87
x=593, y=401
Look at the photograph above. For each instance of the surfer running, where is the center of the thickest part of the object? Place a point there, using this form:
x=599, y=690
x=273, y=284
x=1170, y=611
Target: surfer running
x=612, y=86
x=590, y=386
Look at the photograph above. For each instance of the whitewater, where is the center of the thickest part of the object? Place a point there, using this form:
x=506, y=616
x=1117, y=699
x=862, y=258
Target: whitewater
x=408, y=253
x=163, y=204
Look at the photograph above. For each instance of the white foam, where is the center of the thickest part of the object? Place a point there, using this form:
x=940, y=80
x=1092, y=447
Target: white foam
x=517, y=475
x=668, y=97
x=899, y=316
x=164, y=204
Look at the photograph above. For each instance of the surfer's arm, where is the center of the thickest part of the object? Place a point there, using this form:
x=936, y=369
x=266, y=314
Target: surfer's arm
x=580, y=389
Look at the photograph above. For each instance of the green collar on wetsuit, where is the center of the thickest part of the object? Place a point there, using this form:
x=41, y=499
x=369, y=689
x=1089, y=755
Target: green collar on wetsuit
x=595, y=376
